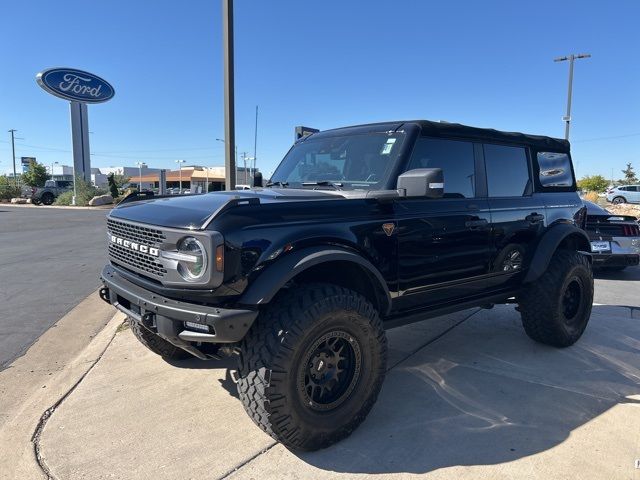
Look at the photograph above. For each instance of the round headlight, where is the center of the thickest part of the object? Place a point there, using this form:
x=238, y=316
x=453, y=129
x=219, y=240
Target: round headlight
x=194, y=263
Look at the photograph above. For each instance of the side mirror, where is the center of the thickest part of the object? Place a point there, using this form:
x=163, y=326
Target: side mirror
x=257, y=179
x=422, y=182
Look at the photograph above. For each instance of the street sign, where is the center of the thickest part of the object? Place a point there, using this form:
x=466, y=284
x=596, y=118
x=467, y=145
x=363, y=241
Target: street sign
x=75, y=85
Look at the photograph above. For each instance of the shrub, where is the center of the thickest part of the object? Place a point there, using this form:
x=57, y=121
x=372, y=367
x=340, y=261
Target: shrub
x=84, y=192
x=591, y=197
x=8, y=189
x=64, y=198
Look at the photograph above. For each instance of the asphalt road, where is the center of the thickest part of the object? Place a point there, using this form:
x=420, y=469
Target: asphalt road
x=50, y=259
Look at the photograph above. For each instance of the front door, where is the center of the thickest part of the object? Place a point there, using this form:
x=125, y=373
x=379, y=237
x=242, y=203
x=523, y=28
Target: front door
x=443, y=244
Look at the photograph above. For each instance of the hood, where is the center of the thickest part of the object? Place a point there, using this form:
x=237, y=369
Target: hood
x=193, y=211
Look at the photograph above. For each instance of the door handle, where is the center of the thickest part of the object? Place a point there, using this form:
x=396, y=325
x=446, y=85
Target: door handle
x=476, y=223
x=534, y=217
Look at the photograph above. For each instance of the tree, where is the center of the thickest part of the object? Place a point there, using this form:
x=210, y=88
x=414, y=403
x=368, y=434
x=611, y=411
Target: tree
x=629, y=175
x=113, y=188
x=593, y=183
x=120, y=180
x=36, y=175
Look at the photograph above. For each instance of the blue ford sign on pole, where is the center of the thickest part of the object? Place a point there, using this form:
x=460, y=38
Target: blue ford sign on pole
x=75, y=85
x=80, y=88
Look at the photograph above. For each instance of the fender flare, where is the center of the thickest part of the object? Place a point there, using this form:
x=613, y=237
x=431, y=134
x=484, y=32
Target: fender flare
x=276, y=276
x=549, y=244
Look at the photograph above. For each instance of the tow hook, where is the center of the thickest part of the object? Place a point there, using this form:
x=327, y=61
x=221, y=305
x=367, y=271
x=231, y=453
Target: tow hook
x=104, y=294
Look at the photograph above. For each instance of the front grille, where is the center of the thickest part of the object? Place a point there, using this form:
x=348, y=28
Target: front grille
x=130, y=258
x=136, y=233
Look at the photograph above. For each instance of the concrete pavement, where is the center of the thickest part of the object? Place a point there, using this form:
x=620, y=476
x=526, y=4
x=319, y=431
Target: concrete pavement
x=36, y=382
x=467, y=396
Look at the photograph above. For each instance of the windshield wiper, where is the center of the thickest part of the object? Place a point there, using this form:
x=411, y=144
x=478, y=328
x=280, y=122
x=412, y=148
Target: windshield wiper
x=278, y=183
x=323, y=183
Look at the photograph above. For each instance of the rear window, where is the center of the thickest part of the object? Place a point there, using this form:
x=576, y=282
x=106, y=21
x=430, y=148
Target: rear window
x=555, y=169
x=507, y=171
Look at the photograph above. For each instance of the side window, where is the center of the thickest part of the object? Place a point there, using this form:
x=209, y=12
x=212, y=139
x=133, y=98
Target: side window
x=456, y=160
x=507, y=171
x=555, y=169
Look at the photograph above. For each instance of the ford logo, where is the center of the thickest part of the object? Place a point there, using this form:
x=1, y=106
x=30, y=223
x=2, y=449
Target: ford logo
x=75, y=85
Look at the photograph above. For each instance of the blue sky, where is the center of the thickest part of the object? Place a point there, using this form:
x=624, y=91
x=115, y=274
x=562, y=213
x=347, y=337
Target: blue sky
x=320, y=64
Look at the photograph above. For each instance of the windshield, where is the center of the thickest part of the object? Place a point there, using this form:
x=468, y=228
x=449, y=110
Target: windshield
x=345, y=162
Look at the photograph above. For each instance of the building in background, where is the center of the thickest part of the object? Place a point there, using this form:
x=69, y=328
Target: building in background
x=195, y=178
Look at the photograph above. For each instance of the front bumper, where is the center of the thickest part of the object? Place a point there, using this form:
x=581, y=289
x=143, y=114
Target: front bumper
x=167, y=317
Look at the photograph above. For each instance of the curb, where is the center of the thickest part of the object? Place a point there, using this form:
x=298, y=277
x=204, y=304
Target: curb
x=57, y=207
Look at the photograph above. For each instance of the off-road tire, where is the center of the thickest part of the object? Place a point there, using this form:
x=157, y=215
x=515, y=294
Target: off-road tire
x=156, y=344
x=547, y=305
x=272, y=364
x=618, y=200
x=47, y=198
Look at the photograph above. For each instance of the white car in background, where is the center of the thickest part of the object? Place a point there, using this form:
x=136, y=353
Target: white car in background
x=624, y=194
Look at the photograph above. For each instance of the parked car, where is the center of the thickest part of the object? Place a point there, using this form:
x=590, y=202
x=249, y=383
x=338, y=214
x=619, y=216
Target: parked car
x=615, y=239
x=47, y=194
x=624, y=194
x=360, y=229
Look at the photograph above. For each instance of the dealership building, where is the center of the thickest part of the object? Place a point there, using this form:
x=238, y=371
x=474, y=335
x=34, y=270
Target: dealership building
x=195, y=178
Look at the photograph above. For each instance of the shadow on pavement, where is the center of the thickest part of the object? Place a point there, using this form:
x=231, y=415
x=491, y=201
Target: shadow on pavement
x=629, y=273
x=486, y=394
x=226, y=363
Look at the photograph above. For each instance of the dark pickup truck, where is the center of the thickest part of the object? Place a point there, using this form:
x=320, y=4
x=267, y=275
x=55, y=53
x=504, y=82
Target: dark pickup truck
x=360, y=229
x=47, y=194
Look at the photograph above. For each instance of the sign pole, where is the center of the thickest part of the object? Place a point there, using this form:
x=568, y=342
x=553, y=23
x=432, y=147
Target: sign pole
x=80, y=140
x=229, y=114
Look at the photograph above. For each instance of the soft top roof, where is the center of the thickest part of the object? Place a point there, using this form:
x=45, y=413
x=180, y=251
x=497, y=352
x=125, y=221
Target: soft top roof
x=456, y=130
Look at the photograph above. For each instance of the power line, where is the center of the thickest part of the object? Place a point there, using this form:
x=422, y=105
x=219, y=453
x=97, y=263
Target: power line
x=607, y=138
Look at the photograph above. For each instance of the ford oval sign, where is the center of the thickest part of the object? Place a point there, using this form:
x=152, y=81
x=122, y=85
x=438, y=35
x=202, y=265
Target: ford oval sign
x=75, y=85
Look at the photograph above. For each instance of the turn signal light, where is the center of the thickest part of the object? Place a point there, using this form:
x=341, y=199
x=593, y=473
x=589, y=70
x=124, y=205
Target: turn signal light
x=220, y=258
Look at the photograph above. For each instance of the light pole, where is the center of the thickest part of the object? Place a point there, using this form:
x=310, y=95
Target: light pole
x=140, y=164
x=571, y=58
x=252, y=170
x=13, y=150
x=52, y=164
x=234, y=163
x=229, y=107
x=180, y=162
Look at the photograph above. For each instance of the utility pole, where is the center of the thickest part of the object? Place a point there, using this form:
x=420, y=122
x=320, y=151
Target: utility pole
x=255, y=140
x=13, y=150
x=571, y=58
x=229, y=115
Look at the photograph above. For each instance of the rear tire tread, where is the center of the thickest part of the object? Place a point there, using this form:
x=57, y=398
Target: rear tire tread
x=539, y=305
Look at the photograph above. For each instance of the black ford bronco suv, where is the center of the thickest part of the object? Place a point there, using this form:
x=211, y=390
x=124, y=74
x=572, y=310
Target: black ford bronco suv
x=359, y=229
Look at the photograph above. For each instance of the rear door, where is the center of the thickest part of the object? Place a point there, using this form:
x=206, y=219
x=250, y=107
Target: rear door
x=443, y=244
x=518, y=215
